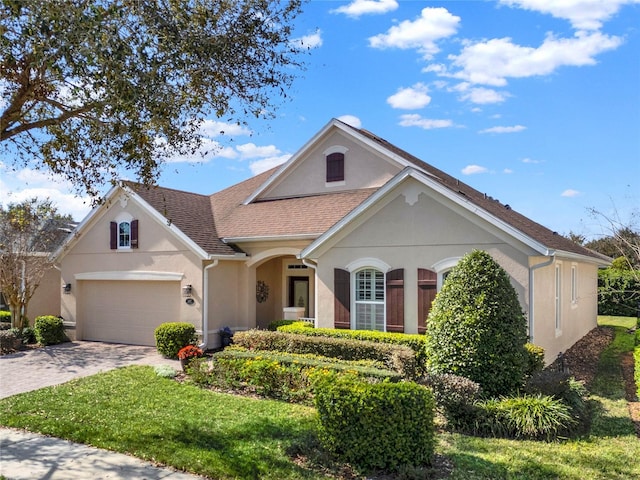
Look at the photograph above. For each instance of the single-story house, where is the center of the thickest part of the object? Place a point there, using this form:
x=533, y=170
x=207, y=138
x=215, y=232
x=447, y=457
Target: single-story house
x=352, y=232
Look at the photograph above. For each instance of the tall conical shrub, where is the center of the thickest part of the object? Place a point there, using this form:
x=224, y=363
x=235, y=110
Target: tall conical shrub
x=476, y=327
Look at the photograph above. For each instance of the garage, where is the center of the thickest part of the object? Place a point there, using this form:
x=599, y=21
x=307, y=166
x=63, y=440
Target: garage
x=127, y=311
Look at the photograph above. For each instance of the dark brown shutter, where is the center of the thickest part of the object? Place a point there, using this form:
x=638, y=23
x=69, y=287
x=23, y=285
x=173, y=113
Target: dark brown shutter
x=335, y=167
x=113, y=237
x=427, y=287
x=134, y=233
x=395, y=300
x=342, y=298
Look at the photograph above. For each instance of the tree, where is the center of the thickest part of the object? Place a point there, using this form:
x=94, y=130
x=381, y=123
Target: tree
x=476, y=327
x=622, y=238
x=29, y=232
x=92, y=87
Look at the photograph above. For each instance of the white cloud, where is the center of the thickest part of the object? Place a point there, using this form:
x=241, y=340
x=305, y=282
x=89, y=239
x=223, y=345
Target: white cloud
x=251, y=150
x=474, y=169
x=410, y=98
x=365, y=7
x=513, y=129
x=313, y=40
x=213, y=129
x=507, y=171
x=583, y=14
x=433, y=24
x=531, y=160
x=570, y=193
x=351, y=120
x=483, y=96
x=265, y=164
x=415, y=120
x=492, y=62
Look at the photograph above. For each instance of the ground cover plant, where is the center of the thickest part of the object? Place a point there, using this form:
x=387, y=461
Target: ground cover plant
x=133, y=410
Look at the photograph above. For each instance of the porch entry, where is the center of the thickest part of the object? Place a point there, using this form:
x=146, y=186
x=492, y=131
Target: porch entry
x=299, y=293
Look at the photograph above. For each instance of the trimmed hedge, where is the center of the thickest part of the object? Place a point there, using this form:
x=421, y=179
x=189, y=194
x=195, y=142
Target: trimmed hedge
x=394, y=357
x=455, y=397
x=282, y=376
x=172, y=336
x=618, y=292
x=414, y=341
x=273, y=326
x=5, y=316
x=49, y=330
x=383, y=426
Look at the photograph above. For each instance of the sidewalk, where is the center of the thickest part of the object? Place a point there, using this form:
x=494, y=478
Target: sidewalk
x=28, y=456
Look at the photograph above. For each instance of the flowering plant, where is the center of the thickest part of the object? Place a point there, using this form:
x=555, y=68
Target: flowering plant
x=190, y=351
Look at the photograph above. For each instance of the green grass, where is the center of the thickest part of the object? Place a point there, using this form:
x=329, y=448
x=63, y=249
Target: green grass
x=134, y=411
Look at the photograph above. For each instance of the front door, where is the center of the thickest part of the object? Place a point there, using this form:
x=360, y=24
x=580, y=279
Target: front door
x=299, y=293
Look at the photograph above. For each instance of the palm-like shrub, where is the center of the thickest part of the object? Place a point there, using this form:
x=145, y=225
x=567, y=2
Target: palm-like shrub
x=476, y=328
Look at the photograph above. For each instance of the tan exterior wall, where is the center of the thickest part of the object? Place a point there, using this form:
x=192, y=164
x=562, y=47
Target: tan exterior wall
x=159, y=251
x=362, y=169
x=46, y=299
x=416, y=229
x=576, y=318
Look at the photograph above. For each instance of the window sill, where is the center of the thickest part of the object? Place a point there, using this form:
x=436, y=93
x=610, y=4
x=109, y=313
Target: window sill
x=340, y=183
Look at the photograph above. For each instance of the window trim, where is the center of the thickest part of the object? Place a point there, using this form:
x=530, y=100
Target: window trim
x=124, y=236
x=574, y=285
x=558, y=298
x=442, y=269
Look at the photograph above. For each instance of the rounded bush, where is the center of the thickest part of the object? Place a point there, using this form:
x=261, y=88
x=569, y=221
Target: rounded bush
x=172, y=336
x=535, y=359
x=49, y=330
x=380, y=426
x=476, y=327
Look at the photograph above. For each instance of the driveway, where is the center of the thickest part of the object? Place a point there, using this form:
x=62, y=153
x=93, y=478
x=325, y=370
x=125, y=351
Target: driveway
x=55, y=364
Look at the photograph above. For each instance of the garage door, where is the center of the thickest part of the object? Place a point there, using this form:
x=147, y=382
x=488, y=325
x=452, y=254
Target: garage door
x=127, y=311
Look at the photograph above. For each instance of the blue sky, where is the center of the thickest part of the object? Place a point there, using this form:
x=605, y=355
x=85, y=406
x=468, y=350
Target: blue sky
x=535, y=102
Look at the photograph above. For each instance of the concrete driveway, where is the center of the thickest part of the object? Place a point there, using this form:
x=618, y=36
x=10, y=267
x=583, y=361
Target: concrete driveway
x=56, y=364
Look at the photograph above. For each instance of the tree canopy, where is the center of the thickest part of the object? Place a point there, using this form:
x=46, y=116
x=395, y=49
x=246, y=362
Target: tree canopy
x=29, y=232
x=92, y=88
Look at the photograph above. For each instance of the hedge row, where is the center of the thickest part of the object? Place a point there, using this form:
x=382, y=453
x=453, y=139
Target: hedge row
x=381, y=426
x=414, y=341
x=618, y=292
x=394, y=357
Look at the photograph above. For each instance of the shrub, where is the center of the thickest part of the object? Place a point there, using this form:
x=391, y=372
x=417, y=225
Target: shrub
x=395, y=357
x=381, y=426
x=9, y=341
x=165, y=371
x=535, y=359
x=171, y=337
x=618, y=292
x=199, y=371
x=476, y=327
x=5, y=316
x=533, y=417
x=49, y=330
x=414, y=341
x=455, y=397
x=283, y=376
x=273, y=326
x=28, y=335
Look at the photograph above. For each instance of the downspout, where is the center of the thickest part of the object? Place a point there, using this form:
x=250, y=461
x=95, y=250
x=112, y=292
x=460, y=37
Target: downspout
x=532, y=297
x=205, y=306
x=314, y=266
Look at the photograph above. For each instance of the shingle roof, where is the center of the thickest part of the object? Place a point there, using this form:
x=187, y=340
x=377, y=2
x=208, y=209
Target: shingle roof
x=207, y=219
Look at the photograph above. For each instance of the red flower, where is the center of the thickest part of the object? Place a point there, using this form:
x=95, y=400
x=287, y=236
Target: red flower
x=190, y=351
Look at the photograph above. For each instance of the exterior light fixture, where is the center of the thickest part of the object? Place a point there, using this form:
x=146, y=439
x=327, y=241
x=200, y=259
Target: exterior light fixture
x=187, y=290
x=66, y=288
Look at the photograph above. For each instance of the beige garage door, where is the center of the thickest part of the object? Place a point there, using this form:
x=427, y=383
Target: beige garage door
x=127, y=311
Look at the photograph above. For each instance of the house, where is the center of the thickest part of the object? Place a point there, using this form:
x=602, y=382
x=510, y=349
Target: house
x=351, y=232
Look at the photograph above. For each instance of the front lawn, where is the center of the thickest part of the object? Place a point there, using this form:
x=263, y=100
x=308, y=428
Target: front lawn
x=134, y=411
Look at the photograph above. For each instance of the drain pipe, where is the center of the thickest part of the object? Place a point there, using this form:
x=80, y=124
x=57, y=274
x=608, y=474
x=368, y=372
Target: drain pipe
x=205, y=306
x=532, y=297
x=313, y=266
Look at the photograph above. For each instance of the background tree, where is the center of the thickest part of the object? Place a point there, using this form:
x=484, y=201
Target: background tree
x=29, y=232
x=476, y=327
x=92, y=87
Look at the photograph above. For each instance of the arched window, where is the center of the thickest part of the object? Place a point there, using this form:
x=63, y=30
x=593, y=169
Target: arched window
x=369, y=299
x=335, y=167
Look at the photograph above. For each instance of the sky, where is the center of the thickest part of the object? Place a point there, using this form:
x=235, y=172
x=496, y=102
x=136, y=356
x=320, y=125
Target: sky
x=534, y=102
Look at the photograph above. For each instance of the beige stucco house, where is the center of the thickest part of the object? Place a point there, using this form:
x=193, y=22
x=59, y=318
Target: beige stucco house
x=351, y=232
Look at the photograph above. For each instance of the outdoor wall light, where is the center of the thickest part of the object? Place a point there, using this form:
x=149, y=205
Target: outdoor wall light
x=67, y=288
x=187, y=290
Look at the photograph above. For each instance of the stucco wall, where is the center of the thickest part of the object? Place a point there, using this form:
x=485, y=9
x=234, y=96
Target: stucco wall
x=362, y=169
x=46, y=299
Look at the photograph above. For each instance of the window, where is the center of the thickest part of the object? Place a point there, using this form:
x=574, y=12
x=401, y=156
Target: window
x=574, y=284
x=369, y=300
x=124, y=235
x=558, y=299
x=335, y=167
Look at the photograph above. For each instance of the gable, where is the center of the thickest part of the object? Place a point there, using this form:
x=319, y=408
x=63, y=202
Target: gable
x=363, y=169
